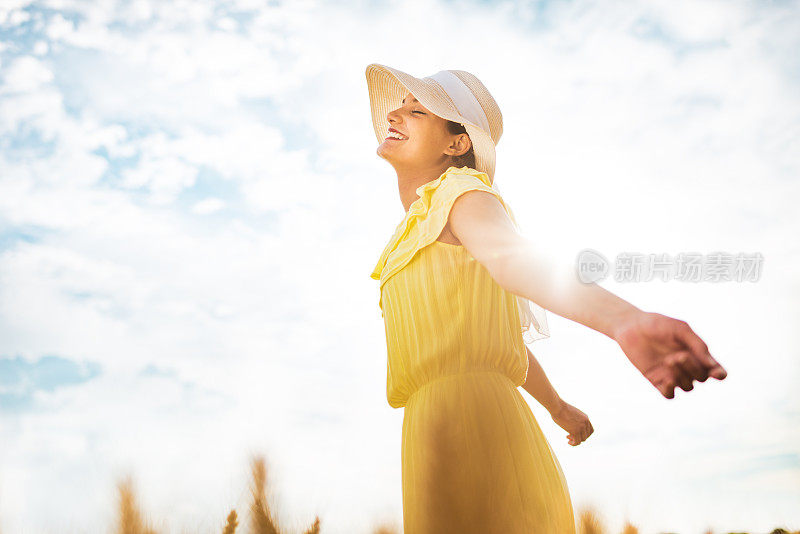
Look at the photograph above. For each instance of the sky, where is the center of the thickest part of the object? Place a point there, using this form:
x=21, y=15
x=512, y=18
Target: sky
x=191, y=206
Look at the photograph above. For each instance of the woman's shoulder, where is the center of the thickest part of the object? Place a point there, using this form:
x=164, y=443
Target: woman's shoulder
x=454, y=178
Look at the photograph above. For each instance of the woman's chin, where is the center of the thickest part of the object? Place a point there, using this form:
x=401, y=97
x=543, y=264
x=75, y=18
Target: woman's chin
x=385, y=151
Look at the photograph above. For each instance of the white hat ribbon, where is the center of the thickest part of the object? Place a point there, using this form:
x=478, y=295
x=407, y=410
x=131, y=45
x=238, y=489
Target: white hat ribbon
x=465, y=101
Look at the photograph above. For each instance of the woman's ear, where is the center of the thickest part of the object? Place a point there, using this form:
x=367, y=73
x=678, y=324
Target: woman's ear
x=460, y=145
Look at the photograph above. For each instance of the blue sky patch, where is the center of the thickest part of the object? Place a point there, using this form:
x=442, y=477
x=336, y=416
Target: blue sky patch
x=20, y=378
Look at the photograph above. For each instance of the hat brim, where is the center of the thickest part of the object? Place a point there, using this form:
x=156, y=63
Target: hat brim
x=387, y=87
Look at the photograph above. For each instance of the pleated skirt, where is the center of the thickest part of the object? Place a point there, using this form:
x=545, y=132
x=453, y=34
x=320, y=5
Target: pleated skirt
x=474, y=460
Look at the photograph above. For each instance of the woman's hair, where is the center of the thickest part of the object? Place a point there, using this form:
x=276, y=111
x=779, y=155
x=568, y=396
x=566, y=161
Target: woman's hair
x=466, y=159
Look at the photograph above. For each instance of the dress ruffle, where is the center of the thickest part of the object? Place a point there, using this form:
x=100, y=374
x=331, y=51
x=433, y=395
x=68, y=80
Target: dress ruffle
x=421, y=226
x=424, y=222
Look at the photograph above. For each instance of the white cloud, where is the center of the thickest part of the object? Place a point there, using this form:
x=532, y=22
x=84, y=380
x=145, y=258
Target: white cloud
x=59, y=27
x=26, y=74
x=208, y=205
x=12, y=14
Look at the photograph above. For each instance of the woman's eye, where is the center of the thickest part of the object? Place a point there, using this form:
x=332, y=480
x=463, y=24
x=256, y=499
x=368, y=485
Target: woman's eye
x=415, y=111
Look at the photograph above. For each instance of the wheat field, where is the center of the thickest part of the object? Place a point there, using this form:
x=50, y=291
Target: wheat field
x=262, y=520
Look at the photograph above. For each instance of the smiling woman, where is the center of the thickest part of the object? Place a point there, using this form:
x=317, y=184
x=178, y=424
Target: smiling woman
x=474, y=458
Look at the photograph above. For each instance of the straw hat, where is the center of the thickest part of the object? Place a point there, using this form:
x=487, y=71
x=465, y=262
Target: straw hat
x=454, y=95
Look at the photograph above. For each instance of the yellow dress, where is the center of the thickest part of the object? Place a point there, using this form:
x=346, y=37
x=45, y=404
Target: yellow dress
x=474, y=459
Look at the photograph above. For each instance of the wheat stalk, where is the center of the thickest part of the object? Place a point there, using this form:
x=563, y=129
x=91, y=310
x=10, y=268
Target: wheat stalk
x=261, y=520
x=313, y=529
x=590, y=522
x=231, y=524
x=129, y=517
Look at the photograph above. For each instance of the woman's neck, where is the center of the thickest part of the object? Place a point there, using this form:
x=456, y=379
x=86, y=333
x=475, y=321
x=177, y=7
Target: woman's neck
x=409, y=180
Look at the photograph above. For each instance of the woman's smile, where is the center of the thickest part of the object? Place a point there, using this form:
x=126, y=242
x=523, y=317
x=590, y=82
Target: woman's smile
x=396, y=135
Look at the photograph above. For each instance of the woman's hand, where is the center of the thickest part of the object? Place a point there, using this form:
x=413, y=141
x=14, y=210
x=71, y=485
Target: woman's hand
x=573, y=421
x=666, y=351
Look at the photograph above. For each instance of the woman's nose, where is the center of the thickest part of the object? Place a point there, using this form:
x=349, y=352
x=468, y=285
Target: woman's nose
x=393, y=115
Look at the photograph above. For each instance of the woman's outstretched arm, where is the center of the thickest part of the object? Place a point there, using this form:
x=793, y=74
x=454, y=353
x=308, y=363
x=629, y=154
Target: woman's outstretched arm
x=665, y=350
x=568, y=417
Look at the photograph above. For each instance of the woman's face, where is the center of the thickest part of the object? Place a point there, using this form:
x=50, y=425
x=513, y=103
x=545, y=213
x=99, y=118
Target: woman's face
x=426, y=142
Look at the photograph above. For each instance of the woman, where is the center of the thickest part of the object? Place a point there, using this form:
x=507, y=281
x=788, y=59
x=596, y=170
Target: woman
x=456, y=284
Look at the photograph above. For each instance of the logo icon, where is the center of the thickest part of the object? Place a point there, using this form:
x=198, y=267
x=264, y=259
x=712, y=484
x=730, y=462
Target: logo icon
x=591, y=266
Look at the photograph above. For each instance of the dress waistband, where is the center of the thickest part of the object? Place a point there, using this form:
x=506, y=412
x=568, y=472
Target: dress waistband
x=459, y=374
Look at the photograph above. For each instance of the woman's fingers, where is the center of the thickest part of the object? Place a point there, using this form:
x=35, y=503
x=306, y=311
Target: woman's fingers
x=667, y=352
x=576, y=423
x=690, y=366
x=666, y=381
x=699, y=351
x=682, y=377
x=584, y=433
